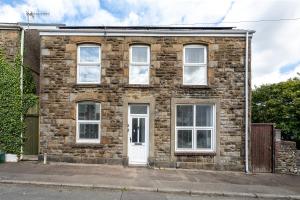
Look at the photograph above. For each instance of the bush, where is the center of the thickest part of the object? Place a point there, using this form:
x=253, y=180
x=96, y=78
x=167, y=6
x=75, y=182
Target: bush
x=280, y=104
x=13, y=105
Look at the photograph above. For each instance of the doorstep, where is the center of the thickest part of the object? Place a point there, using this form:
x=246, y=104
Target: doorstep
x=29, y=158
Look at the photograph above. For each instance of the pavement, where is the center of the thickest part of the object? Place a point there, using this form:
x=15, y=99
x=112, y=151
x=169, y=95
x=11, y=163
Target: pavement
x=172, y=181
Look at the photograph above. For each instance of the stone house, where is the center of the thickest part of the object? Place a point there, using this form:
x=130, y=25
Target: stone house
x=157, y=96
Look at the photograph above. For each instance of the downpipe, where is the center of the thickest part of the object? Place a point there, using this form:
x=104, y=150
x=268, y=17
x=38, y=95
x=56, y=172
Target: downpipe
x=246, y=106
x=21, y=82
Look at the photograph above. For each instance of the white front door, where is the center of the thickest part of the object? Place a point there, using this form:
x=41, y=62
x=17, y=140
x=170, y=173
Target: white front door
x=138, y=134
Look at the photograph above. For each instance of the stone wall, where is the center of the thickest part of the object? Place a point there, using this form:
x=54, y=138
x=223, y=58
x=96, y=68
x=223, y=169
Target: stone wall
x=10, y=43
x=59, y=94
x=285, y=156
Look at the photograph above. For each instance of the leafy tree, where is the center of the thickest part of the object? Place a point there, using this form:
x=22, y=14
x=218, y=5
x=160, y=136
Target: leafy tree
x=279, y=103
x=13, y=104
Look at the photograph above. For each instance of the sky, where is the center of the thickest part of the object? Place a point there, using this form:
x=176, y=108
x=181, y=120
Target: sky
x=275, y=45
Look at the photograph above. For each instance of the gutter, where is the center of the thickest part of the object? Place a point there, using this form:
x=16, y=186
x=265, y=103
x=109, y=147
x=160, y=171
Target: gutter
x=246, y=106
x=127, y=32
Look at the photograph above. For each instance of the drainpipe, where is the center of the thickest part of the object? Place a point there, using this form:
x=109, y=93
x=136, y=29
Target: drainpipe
x=246, y=107
x=21, y=78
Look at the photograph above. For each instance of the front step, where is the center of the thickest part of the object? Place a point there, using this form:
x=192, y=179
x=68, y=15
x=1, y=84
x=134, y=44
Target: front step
x=30, y=158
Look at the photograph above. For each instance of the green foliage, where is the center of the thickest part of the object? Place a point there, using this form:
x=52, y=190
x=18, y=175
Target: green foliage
x=279, y=103
x=13, y=104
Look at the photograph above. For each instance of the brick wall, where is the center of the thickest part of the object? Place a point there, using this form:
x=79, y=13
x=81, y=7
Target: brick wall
x=59, y=94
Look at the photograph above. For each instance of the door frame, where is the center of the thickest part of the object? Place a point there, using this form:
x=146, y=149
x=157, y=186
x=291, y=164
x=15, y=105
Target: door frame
x=151, y=105
x=130, y=117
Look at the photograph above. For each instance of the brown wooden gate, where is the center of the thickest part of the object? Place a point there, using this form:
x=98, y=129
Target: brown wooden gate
x=262, y=147
x=31, y=135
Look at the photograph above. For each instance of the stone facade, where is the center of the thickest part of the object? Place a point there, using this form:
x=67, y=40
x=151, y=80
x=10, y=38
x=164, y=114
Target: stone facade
x=59, y=94
x=10, y=42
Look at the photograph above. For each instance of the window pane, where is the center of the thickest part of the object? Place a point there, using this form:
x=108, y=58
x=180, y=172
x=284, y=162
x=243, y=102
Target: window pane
x=195, y=75
x=139, y=75
x=134, y=133
x=142, y=130
x=194, y=55
x=88, y=131
x=204, y=115
x=204, y=139
x=184, y=139
x=89, y=73
x=89, y=54
x=184, y=115
x=139, y=54
x=138, y=109
x=89, y=111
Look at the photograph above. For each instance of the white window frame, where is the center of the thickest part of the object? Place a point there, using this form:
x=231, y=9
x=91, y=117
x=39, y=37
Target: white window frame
x=78, y=122
x=194, y=129
x=136, y=64
x=88, y=64
x=204, y=64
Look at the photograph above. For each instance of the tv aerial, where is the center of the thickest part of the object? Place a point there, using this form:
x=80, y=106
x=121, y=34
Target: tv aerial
x=32, y=14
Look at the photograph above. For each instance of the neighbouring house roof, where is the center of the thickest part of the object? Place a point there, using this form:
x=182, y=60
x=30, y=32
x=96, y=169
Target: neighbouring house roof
x=20, y=25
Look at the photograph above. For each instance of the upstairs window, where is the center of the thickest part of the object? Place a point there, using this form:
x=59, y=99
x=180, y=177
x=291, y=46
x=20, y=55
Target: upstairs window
x=195, y=65
x=88, y=122
x=89, y=64
x=139, y=64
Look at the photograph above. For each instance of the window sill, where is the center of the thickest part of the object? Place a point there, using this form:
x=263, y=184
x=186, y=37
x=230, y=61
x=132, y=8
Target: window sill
x=138, y=86
x=195, y=153
x=78, y=85
x=196, y=86
x=87, y=145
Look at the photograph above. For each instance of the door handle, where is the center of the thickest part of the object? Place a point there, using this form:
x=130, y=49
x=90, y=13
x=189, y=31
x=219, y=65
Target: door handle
x=130, y=139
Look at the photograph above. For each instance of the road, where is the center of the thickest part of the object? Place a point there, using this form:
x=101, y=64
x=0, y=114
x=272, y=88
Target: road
x=31, y=192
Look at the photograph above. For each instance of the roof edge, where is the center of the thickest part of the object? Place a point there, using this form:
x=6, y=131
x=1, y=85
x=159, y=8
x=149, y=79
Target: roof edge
x=147, y=32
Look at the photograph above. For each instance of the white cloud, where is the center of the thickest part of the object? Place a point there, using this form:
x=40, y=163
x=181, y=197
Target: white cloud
x=9, y=14
x=276, y=76
x=275, y=44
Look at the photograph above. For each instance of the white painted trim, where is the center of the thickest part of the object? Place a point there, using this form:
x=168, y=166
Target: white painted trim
x=194, y=128
x=88, y=141
x=109, y=34
x=139, y=64
x=194, y=64
x=88, y=63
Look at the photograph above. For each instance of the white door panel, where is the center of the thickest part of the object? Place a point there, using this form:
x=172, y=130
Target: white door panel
x=138, y=134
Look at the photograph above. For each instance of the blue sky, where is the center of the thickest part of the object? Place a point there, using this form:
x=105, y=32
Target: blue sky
x=275, y=52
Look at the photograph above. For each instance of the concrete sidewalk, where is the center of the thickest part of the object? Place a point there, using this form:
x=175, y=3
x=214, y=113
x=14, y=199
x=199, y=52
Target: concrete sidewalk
x=272, y=186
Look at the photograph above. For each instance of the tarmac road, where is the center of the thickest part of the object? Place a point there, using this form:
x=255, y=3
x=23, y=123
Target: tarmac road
x=32, y=192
